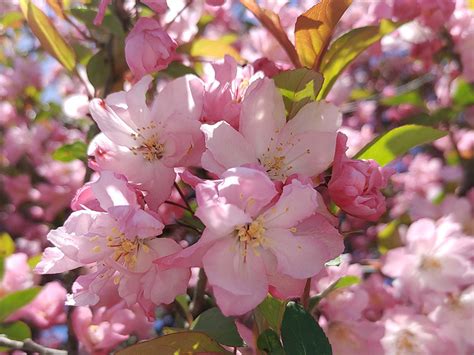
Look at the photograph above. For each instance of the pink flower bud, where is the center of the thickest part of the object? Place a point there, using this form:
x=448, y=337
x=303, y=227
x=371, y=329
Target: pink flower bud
x=148, y=48
x=355, y=184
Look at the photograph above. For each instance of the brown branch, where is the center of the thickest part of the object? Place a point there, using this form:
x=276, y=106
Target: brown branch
x=305, y=296
x=29, y=346
x=272, y=23
x=197, y=304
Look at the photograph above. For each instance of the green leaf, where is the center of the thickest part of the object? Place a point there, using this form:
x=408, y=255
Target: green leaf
x=269, y=341
x=213, y=48
x=7, y=245
x=14, y=301
x=464, y=94
x=272, y=309
x=176, y=343
x=410, y=97
x=70, y=152
x=217, y=326
x=301, y=334
x=342, y=282
x=15, y=331
x=314, y=29
x=99, y=69
x=298, y=87
x=110, y=26
x=2, y=267
x=50, y=39
x=434, y=118
x=397, y=142
x=34, y=260
x=389, y=237
x=348, y=47
x=177, y=69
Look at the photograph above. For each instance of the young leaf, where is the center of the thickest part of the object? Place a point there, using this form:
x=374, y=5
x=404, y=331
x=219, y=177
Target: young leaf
x=217, y=326
x=15, y=331
x=272, y=310
x=7, y=245
x=269, y=341
x=347, y=48
x=99, y=69
x=314, y=29
x=301, y=334
x=16, y=300
x=176, y=343
x=298, y=87
x=213, y=48
x=397, y=142
x=70, y=152
x=342, y=282
x=410, y=97
x=464, y=94
x=49, y=37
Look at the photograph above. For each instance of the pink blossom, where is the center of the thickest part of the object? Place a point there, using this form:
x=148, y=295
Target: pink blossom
x=47, y=309
x=159, y=6
x=181, y=19
x=225, y=89
x=408, y=333
x=215, y=2
x=17, y=188
x=355, y=184
x=146, y=143
x=120, y=244
x=304, y=145
x=148, y=48
x=99, y=331
x=454, y=316
x=18, y=275
x=252, y=237
x=354, y=337
x=435, y=258
x=101, y=11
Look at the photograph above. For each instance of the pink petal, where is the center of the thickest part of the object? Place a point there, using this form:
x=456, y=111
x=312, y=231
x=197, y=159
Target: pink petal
x=296, y=203
x=262, y=114
x=221, y=136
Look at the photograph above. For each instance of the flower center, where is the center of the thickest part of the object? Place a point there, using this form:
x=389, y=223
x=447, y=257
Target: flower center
x=150, y=147
x=406, y=342
x=125, y=250
x=251, y=235
x=430, y=263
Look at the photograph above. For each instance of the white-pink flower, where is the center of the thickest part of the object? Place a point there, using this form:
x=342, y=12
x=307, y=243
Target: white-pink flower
x=255, y=238
x=119, y=243
x=436, y=257
x=146, y=143
x=408, y=333
x=304, y=145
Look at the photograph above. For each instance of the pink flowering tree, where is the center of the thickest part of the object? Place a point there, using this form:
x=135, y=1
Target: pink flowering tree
x=251, y=177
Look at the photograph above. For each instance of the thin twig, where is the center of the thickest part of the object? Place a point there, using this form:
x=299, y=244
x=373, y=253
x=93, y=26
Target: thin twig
x=305, y=296
x=183, y=197
x=179, y=205
x=198, y=297
x=273, y=26
x=189, y=226
x=30, y=346
x=168, y=25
